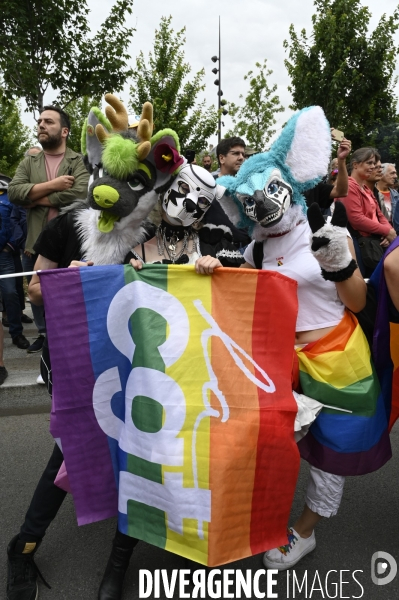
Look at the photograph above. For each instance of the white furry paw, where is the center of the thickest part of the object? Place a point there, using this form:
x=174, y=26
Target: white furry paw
x=329, y=243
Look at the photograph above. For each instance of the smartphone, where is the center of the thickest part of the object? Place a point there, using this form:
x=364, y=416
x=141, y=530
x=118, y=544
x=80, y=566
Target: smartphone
x=337, y=135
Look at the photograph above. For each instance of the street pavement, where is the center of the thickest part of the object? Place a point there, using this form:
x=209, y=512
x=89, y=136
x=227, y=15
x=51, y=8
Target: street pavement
x=20, y=394
x=73, y=558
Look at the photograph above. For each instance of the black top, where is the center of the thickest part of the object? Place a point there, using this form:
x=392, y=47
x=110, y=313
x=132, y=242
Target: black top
x=213, y=241
x=59, y=241
x=319, y=194
x=217, y=216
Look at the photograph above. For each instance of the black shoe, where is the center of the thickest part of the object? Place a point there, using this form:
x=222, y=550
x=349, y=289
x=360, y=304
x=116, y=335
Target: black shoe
x=37, y=345
x=5, y=322
x=21, y=342
x=26, y=319
x=112, y=582
x=22, y=571
x=3, y=375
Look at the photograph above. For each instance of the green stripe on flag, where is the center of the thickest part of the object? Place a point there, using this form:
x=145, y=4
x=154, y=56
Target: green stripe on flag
x=360, y=397
x=146, y=523
x=147, y=414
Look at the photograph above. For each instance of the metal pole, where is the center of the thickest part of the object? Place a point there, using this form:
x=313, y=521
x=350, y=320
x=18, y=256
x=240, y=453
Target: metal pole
x=220, y=90
x=19, y=274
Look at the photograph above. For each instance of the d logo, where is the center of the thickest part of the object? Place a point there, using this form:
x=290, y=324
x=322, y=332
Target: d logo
x=380, y=561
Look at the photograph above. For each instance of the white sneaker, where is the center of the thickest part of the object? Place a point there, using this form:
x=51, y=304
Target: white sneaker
x=40, y=380
x=285, y=557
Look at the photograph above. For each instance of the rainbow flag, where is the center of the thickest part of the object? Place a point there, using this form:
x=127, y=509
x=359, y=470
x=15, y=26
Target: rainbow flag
x=172, y=402
x=338, y=371
x=386, y=339
x=394, y=344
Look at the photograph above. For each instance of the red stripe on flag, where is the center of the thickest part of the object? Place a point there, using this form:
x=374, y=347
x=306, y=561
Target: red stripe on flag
x=277, y=464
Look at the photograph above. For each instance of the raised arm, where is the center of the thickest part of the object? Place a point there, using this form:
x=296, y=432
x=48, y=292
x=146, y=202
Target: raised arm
x=352, y=291
x=340, y=188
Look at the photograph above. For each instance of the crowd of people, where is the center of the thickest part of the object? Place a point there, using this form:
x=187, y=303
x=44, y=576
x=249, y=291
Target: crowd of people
x=258, y=222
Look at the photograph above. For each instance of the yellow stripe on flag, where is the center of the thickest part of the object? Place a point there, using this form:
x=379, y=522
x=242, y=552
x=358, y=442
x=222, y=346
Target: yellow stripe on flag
x=336, y=368
x=191, y=373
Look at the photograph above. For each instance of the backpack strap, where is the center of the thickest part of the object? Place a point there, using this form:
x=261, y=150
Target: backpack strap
x=257, y=254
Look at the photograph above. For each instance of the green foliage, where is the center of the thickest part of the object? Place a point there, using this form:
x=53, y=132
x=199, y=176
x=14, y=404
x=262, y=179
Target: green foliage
x=78, y=111
x=46, y=43
x=200, y=155
x=255, y=119
x=386, y=139
x=15, y=138
x=163, y=80
x=344, y=69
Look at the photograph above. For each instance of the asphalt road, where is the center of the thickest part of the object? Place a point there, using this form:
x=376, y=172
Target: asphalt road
x=72, y=559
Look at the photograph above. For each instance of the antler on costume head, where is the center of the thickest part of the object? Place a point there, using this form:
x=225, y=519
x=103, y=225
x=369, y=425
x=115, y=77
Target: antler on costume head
x=117, y=116
x=144, y=131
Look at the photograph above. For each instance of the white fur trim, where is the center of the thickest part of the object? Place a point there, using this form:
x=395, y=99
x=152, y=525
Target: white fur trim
x=291, y=218
x=309, y=155
x=111, y=248
x=228, y=254
x=224, y=228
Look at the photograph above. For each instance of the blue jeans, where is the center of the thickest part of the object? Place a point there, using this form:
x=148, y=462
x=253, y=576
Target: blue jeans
x=28, y=263
x=11, y=288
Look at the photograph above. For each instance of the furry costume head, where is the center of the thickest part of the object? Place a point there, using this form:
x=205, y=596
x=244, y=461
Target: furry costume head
x=126, y=165
x=129, y=169
x=268, y=189
x=190, y=195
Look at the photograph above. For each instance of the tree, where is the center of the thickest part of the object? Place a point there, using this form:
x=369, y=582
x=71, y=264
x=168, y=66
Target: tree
x=163, y=80
x=385, y=137
x=344, y=69
x=254, y=120
x=78, y=111
x=15, y=138
x=46, y=43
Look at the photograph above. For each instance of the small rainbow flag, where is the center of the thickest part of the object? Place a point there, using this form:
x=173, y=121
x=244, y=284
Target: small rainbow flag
x=338, y=371
x=172, y=401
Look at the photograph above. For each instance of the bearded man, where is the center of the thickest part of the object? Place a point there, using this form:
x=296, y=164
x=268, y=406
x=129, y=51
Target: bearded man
x=44, y=183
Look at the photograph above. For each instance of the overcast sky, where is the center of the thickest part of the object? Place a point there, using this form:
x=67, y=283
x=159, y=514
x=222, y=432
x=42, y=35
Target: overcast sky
x=251, y=31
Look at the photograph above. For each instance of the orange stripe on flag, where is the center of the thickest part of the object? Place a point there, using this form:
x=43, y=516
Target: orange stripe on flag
x=232, y=486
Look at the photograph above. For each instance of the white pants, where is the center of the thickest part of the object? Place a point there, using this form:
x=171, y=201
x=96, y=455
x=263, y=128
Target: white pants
x=324, y=492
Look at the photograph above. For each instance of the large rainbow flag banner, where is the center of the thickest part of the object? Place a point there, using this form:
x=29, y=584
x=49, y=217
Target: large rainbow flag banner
x=172, y=402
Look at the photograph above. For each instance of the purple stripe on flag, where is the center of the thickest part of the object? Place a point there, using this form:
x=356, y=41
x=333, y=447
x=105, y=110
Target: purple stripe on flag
x=84, y=444
x=350, y=463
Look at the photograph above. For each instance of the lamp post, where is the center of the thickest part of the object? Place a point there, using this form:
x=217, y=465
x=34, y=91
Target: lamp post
x=218, y=82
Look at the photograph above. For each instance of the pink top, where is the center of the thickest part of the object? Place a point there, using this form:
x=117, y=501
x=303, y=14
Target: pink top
x=53, y=162
x=364, y=214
